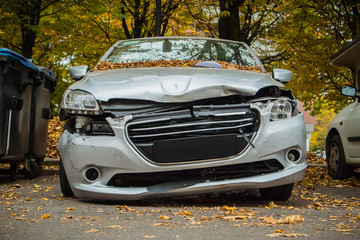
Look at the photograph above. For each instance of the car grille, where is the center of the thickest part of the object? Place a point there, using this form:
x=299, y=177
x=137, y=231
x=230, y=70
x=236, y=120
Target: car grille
x=200, y=133
x=196, y=175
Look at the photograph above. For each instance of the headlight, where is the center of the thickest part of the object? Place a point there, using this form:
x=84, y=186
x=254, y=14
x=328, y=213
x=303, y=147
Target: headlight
x=281, y=109
x=80, y=102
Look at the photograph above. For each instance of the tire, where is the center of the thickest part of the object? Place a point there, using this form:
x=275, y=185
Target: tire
x=14, y=167
x=40, y=163
x=64, y=183
x=336, y=163
x=278, y=193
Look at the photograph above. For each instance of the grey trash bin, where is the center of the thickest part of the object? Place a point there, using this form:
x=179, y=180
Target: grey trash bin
x=24, y=112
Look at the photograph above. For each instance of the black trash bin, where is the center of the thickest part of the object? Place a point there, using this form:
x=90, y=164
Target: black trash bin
x=24, y=112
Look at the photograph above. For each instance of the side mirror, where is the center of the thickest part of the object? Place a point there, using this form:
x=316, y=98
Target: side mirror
x=78, y=72
x=282, y=75
x=348, y=91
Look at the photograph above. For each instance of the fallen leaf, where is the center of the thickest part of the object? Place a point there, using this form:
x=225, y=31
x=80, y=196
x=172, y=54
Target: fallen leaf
x=343, y=230
x=21, y=219
x=280, y=231
x=233, y=218
x=296, y=235
x=269, y=220
x=187, y=213
x=230, y=209
x=44, y=199
x=45, y=216
x=291, y=219
x=148, y=236
x=162, y=217
x=204, y=218
x=271, y=205
x=115, y=226
x=92, y=231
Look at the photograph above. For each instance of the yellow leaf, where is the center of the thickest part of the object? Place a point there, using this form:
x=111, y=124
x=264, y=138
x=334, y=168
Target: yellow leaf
x=45, y=216
x=70, y=208
x=280, y=231
x=21, y=219
x=115, y=226
x=343, y=230
x=162, y=217
x=37, y=186
x=187, y=213
x=271, y=205
x=44, y=199
x=231, y=209
x=92, y=231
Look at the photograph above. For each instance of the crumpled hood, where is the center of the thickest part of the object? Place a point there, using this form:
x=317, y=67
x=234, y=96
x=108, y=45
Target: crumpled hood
x=172, y=84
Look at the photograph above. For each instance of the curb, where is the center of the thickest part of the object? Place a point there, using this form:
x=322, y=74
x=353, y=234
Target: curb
x=51, y=162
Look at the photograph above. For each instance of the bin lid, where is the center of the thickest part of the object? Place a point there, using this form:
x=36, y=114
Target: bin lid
x=22, y=59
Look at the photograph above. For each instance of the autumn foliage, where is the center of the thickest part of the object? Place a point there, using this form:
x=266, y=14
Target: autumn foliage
x=54, y=133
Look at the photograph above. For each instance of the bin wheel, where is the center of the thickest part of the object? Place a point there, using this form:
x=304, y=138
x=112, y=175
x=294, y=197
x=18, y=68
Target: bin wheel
x=34, y=171
x=13, y=171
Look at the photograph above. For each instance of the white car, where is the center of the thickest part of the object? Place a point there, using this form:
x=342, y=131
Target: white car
x=343, y=139
x=174, y=116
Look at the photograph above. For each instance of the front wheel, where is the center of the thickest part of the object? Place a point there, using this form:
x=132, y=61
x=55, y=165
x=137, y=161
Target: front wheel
x=64, y=183
x=336, y=163
x=278, y=193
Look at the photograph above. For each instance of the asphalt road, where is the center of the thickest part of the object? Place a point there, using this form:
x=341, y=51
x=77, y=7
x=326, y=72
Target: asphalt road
x=35, y=209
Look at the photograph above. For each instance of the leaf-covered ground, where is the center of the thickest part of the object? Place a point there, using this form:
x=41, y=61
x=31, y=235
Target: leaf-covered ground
x=37, y=207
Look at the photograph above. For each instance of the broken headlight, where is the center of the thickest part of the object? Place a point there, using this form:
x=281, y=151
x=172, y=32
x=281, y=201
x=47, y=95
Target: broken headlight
x=80, y=102
x=281, y=109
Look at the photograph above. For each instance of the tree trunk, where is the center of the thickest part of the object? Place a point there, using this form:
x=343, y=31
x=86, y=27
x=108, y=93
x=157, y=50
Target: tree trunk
x=29, y=16
x=229, y=23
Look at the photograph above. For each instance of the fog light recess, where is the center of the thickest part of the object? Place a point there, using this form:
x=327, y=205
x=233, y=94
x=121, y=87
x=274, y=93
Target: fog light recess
x=293, y=155
x=92, y=174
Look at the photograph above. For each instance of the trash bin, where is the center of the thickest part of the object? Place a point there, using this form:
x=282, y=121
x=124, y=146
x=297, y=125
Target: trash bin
x=24, y=93
x=43, y=87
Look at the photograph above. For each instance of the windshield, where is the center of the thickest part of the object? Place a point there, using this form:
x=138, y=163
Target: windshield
x=141, y=50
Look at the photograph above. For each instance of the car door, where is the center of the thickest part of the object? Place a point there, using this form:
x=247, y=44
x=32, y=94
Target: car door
x=351, y=124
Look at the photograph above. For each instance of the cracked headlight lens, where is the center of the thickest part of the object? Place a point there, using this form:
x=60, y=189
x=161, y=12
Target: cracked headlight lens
x=281, y=109
x=80, y=102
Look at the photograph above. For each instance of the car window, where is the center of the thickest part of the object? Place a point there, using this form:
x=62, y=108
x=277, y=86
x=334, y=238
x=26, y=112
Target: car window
x=182, y=49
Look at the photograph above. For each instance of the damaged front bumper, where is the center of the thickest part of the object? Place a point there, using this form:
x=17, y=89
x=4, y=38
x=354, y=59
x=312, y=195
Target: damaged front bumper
x=124, y=171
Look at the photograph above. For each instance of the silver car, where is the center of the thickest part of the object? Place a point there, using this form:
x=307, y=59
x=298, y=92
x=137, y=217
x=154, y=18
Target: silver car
x=172, y=116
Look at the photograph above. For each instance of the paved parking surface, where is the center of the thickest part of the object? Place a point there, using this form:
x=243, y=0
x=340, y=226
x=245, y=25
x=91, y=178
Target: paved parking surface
x=35, y=209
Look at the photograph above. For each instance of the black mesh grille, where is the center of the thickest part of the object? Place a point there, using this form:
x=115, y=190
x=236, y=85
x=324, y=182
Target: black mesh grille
x=203, y=132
